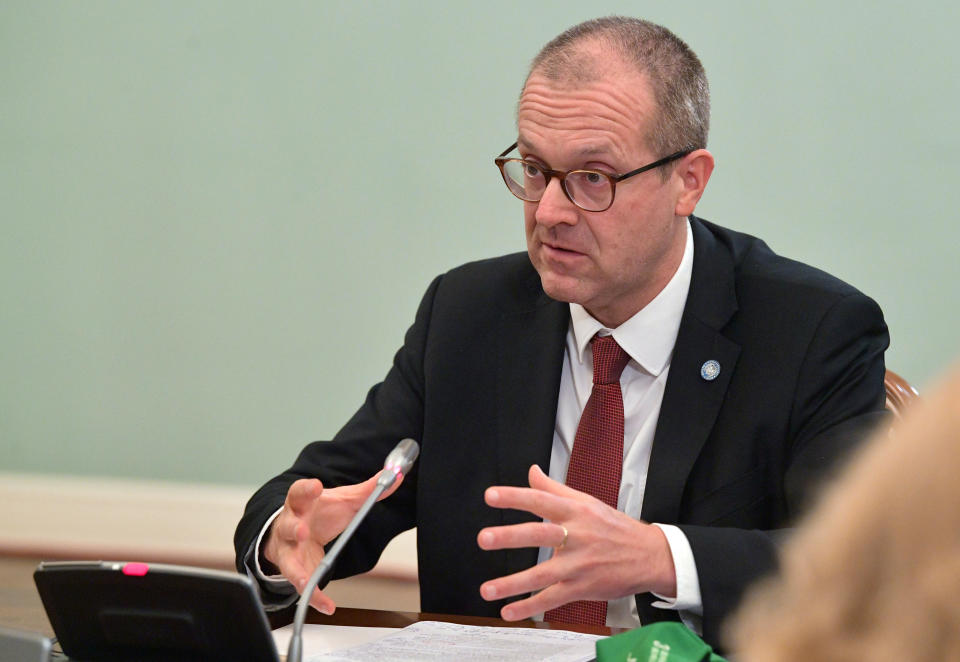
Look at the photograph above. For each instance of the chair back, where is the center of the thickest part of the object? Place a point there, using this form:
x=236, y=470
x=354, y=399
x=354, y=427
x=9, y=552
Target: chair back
x=899, y=393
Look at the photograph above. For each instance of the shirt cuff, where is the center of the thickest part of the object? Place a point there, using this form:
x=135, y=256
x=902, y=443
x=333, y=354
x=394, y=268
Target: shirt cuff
x=275, y=591
x=688, y=581
x=255, y=557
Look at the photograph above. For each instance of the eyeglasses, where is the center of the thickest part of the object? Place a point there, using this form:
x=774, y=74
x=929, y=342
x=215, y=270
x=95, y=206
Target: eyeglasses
x=591, y=190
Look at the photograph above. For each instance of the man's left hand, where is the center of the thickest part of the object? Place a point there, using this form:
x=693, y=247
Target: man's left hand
x=600, y=553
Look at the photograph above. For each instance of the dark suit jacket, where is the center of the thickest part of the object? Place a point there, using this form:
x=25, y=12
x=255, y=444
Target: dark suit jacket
x=733, y=460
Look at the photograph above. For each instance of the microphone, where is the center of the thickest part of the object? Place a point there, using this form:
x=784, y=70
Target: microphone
x=398, y=462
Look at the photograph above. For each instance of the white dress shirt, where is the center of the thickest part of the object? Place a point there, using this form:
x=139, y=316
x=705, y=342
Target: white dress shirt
x=648, y=337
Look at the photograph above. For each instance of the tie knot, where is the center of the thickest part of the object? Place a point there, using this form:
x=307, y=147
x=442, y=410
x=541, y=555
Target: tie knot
x=609, y=360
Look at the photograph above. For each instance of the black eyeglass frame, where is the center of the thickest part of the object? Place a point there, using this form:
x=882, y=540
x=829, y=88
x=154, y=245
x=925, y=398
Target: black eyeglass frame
x=500, y=162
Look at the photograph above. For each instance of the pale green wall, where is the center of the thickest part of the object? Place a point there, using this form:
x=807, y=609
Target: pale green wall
x=216, y=218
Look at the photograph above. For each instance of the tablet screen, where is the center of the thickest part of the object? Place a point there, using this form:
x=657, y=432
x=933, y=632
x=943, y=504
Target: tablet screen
x=107, y=610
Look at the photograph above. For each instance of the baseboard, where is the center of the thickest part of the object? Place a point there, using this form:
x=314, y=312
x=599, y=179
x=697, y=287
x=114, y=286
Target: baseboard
x=63, y=517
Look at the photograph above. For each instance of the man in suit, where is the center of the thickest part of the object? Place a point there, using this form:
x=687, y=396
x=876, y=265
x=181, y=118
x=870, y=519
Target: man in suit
x=745, y=378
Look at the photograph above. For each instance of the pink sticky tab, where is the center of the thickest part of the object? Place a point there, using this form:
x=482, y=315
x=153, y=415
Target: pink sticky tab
x=135, y=569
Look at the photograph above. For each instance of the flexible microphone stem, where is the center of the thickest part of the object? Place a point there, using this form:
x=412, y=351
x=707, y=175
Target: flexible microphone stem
x=398, y=462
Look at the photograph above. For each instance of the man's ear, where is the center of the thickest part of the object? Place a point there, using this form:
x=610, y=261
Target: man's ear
x=693, y=171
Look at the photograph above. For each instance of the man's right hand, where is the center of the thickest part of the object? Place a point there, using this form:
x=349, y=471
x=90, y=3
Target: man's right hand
x=311, y=517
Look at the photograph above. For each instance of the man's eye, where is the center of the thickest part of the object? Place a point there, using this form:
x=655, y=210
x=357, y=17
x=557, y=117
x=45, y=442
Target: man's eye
x=594, y=177
x=531, y=170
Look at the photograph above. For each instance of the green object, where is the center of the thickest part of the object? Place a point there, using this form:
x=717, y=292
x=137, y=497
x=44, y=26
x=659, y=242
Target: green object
x=658, y=642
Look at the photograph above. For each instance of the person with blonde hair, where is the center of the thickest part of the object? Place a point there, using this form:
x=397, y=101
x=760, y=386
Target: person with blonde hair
x=874, y=572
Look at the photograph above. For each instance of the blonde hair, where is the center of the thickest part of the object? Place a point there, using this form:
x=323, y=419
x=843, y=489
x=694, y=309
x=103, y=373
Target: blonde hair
x=874, y=571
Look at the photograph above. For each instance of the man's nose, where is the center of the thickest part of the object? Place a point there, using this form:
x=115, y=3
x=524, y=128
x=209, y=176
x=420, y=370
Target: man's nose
x=555, y=207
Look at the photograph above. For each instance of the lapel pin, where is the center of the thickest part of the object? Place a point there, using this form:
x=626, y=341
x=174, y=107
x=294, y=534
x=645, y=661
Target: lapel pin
x=710, y=370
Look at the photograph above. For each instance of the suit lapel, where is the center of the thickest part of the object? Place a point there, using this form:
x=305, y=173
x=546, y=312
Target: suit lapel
x=529, y=363
x=691, y=402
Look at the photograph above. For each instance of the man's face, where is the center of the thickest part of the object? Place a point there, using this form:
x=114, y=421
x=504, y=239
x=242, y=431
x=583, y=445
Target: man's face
x=616, y=261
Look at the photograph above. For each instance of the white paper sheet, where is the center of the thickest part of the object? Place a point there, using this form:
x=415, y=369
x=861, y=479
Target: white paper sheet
x=431, y=640
x=320, y=639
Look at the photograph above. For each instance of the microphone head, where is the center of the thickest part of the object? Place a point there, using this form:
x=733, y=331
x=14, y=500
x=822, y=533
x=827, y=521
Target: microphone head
x=402, y=457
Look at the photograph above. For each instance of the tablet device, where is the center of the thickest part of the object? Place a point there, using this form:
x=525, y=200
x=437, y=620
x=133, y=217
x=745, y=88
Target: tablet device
x=112, y=610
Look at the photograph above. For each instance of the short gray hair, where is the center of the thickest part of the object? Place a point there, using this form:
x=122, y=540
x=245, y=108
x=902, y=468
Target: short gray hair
x=679, y=82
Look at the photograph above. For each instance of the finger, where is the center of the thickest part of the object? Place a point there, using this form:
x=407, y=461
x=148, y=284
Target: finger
x=393, y=488
x=538, y=577
x=301, y=494
x=543, y=504
x=528, y=534
x=359, y=492
x=549, y=598
x=373, y=483
x=541, y=481
x=298, y=575
x=292, y=570
x=322, y=602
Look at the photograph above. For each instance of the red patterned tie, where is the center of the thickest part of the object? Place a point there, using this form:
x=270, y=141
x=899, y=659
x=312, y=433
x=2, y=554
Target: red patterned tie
x=596, y=461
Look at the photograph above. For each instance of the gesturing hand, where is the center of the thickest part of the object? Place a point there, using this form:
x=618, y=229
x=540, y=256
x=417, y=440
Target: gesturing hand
x=605, y=554
x=311, y=517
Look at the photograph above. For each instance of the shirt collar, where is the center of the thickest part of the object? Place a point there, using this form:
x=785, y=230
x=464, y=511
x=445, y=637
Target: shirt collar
x=649, y=336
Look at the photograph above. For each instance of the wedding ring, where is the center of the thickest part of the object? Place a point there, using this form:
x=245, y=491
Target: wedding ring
x=563, y=542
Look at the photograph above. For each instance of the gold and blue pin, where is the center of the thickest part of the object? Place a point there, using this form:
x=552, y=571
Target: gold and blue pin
x=710, y=370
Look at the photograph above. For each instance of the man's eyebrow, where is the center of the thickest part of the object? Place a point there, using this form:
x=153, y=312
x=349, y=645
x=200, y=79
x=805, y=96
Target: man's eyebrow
x=593, y=150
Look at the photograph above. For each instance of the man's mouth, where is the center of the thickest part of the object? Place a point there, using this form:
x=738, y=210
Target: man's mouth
x=560, y=248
